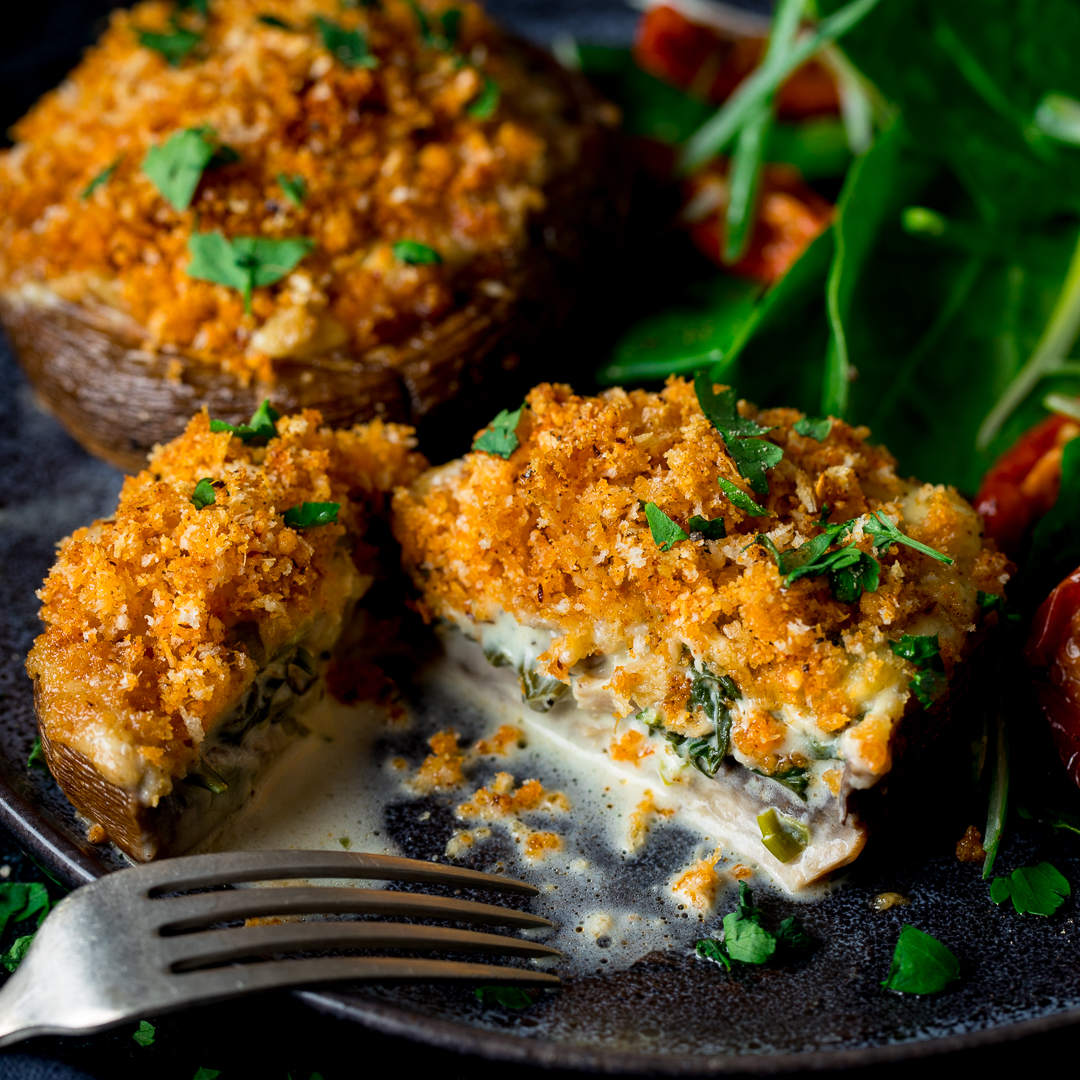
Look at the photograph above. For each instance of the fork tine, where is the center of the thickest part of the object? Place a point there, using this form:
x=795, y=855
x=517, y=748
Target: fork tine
x=231, y=867
x=201, y=987
x=213, y=946
x=189, y=912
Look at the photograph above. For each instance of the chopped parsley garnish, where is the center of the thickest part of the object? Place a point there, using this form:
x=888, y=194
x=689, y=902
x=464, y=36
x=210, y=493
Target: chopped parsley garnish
x=746, y=940
x=203, y=495
x=740, y=499
x=244, y=263
x=174, y=47
x=203, y=1073
x=37, y=759
x=752, y=456
x=102, y=177
x=262, y=425
x=416, y=254
x=814, y=429
x=144, y=1036
x=273, y=20
x=923, y=650
x=500, y=436
x=920, y=964
x=885, y=533
x=349, y=46
x=990, y=601
x=345, y=842
x=713, y=529
x=487, y=101
x=19, y=902
x=310, y=514
x=449, y=21
x=509, y=997
x=849, y=570
x=17, y=953
x=451, y=24
x=664, y=531
x=1034, y=890
x=295, y=188
x=176, y=167
x=201, y=6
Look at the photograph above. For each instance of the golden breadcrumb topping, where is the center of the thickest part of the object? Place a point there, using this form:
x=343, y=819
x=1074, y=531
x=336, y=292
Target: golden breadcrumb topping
x=159, y=617
x=502, y=799
x=448, y=143
x=700, y=884
x=557, y=536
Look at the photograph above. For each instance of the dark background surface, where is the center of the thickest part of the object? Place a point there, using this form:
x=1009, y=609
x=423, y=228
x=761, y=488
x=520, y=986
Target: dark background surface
x=278, y=1036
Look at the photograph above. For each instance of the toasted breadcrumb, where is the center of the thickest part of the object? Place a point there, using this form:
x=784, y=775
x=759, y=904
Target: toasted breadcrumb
x=645, y=814
x=501, y=799
x=441, y=769
x=501, y=742
x=632, y=746
x=556, y=536
x=699, y=885
x=156, y=618
x=390, y=152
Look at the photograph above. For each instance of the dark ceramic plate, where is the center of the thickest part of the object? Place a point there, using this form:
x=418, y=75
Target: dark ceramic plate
x=668, y=1013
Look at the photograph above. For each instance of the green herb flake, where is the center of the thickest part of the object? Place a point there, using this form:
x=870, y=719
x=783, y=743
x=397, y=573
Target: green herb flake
x=711, y=529
x=274, y=21
x=262, y=425
x=885, y=533
x=308, y=515
x=201, y=6
x=740, y=499
x=203, y=1073
x=99, y=180
x=849, y=570
x=15, y=955
x=746, y=940
x=500, y=436
x=711, y=949
x=174, y=47
x=203, y=495
x=345, y=842
x=923, y=650
x=20, y=901
x=295, y=188
x=990, y=601
x=664, y=531
x=509, y=997
x=487, y=101
x=245, y=263
x=349, y=46
x=37, y=759
x=920, y=964
x=416, y=254
x=144, y=1036
x=752, y=456
x=176, y=167
x=814, y=429
x=1034, y=890
x=451, y=25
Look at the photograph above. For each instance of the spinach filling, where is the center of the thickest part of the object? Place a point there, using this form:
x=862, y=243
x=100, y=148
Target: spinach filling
x=539, y=691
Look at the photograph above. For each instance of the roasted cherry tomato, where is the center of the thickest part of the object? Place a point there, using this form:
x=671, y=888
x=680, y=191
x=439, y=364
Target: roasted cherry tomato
x=709, y=63
x=1055, y=645
x=790, y=216
x=1024, y=482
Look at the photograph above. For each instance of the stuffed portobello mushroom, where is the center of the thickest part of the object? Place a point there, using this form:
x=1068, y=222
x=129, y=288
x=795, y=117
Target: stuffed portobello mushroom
x=752, y=604
x=364, y=209
x=186, y=636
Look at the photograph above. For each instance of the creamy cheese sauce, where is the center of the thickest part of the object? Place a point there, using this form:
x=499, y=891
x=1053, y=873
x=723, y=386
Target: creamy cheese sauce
x=608, y=888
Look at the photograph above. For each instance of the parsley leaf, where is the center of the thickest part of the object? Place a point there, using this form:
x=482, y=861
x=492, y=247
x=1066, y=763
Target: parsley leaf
x=145, y=1034
x=713, y=529
x=349, y=46
x=500, y=436
x=711, y=949
x=295, y=188
x=309, y=514
x=746, y=940
x=174, y=47
x=740, y=499
x=920, y=964
x=203, y=1073
x=273, y=20
x=102, y=177
x=990, y=601
x=509, y=997
x=262, y=425
x=449, y=21
x=850, y=571
x=245, y=263
x=793, y=934
x=487, y=101
x=37, y=759
x=885, y=533
x=814, y=429
x=201, y=6
x=1034, y=890
x=14, y=956
x=451, y=24
x=923, y=650
x=176, y=166
x=22, y=900
x=665, y=532
x=416, y=254
x=203, y=495
x=752, y=456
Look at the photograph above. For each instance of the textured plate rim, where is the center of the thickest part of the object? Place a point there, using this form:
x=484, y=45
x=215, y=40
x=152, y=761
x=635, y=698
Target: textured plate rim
x=73, y=866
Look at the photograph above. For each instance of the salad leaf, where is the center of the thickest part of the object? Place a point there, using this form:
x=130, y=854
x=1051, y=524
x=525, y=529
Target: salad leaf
x=308, y=515
x=262, y=425
x=665, y=532
x=500, y=437
x=245, y=263
x=416, y=254
x=203, y=495
x=349, y=46
x=1034, y=890
x=144, y=1035
x=920, y=964
x=509, y=997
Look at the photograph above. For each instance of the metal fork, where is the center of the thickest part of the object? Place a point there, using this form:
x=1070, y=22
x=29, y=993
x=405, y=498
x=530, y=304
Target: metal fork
x=118, y=950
